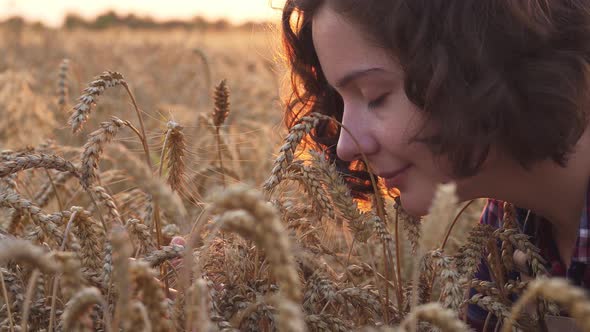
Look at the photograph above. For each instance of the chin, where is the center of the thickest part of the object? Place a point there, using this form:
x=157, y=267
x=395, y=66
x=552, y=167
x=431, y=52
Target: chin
x=416, y=202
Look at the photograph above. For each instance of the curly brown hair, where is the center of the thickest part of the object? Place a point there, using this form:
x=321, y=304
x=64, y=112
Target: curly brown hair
x=486, y=72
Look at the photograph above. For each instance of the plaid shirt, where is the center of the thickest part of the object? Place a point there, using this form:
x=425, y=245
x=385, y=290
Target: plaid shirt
x=541, y=235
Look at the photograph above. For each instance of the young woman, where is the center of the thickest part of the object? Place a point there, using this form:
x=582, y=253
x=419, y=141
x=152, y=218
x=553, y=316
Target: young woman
x=490, y=94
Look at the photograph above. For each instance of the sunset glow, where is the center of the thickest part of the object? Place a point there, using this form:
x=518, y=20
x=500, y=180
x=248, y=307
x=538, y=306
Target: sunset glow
x=52, y=12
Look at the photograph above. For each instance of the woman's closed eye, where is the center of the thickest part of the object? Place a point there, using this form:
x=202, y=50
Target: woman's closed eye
x=378, y=102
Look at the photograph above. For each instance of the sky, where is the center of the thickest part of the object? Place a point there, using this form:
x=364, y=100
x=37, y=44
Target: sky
x=52, y=12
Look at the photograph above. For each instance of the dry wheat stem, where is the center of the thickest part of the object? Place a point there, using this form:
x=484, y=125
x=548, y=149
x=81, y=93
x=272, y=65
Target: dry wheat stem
x=122, y=251
x=28, y=299
x=5, y=296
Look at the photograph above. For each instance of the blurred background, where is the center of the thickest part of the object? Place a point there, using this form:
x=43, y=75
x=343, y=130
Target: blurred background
x=53, y=13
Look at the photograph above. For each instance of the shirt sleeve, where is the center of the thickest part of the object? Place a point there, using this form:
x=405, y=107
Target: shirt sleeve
x=493, y=213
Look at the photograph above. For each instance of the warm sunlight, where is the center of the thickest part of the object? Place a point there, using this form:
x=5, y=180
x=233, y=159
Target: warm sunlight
x=52, y=12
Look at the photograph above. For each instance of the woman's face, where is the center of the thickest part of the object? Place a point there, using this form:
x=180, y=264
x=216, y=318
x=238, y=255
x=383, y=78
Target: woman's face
x=376, y=110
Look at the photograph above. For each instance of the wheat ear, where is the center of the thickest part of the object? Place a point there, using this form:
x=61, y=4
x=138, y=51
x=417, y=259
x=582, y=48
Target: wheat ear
x=244, y=211
x=25, y=161
x=220, y=113
x=287, y=151
x=25, y=251
x=78, y=306
x=90, y=96
x=94, y=147
x=62, y=84
x=160, y=191
x=121, y=253
x=175, y=147
x=152, y=295
x=436, y=315
x=573, y=298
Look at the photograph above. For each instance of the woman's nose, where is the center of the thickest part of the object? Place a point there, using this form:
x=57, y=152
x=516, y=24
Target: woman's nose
x=359, y=129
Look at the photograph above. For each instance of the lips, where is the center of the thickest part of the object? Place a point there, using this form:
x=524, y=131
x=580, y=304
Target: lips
x=395, y=178
x=391, y=175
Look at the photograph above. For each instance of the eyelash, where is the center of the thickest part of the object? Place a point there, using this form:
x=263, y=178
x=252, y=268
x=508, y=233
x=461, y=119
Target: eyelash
x=378, y=102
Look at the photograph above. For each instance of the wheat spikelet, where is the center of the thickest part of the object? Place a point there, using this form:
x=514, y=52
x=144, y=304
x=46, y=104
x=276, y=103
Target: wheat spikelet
x=491, y=304
x=90, y=96
x=148, y=211
x=363, y=299
x=341, y=197
x=142, y=233
x=94, y=147
x=91, y=240
x=105, y=199
x=470, y=254
x=221, y=110
x=451, y=294
x=175, y=147
x=15, y=287
x=62, y=83
x=326, y=323
x=410, y=224
x=486, y=288
x=78, y=306
x=107, y=268
x=25, y=161
x=312, y=182
x=435, y=314
x=152, y=295
x=521, y=242
x=170, y=201
x=287, y=151
x=245, y=212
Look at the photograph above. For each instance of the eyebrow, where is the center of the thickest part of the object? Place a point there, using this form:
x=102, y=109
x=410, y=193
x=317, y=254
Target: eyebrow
x=355, y=75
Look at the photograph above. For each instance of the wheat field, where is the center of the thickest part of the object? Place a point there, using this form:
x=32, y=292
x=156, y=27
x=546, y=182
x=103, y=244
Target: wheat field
x=147, y=183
